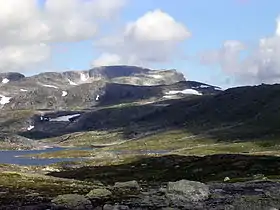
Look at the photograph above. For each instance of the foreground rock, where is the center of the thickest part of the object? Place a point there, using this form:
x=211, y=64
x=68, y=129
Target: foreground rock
x=99, y=194
x=181, y=192
x=127, y=188
x=72, y=201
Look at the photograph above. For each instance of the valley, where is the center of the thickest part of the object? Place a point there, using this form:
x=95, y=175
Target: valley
x=115, y=138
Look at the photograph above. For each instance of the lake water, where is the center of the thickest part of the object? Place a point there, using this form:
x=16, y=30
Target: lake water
x=11, y=157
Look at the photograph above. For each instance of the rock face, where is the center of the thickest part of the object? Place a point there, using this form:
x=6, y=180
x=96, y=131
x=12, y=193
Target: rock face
x=10, y=77
x=84, y=89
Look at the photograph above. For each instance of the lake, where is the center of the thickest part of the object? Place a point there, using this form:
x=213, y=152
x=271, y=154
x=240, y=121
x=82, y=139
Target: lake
x=11, y=157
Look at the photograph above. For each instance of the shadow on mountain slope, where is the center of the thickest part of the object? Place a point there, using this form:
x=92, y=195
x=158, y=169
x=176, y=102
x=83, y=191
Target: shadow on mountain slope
x=176, y=167
x=236, y=114
x=103, y=119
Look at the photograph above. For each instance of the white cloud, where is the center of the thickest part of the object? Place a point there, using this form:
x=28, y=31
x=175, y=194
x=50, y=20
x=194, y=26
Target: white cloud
x=107, y=59
x=27, y=30
x=227, y=56
x=259, y=64
x=156, y=26
x=155, y=37
x=15, y=58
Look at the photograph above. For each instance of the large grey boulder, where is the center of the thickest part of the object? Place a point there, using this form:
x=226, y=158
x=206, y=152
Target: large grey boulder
x=72, y=201
x=181, y=192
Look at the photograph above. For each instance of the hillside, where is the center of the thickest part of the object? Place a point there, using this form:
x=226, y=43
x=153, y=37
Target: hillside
x=83, y=93
x=237, y=114
x=85, y=89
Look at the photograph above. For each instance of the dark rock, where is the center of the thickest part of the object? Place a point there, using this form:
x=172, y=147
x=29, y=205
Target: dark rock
x=115, y=207
x=11, y=76
x=152, y=201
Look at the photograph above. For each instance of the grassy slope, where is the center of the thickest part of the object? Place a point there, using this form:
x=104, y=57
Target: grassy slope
x=28, y=188
x=84, y=139
x=176, y=142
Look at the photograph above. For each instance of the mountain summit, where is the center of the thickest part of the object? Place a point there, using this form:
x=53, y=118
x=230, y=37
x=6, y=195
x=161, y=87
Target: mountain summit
x=84, y=89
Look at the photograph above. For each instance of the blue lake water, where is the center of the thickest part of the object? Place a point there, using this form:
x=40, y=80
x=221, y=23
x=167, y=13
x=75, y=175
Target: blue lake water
x=11, y=157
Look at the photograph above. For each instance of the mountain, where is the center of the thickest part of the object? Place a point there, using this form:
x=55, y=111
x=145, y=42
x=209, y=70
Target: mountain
x=250, y=112
x=235, y=114
x=97, y=86
x=55, y=103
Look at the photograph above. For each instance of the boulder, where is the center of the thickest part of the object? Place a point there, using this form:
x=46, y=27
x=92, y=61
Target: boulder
x=181, y=192
x=99, y=194
x=127, y=188
x=72, y=201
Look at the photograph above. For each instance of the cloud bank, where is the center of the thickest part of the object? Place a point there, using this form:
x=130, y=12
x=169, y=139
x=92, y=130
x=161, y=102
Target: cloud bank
x=28, y=30
x=247, y=64
x=153, y=38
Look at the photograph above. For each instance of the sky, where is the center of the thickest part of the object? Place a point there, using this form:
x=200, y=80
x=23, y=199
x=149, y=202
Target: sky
x=221, y=42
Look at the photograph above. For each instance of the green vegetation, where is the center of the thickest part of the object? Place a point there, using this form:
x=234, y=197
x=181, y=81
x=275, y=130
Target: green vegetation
x=175, y=167
x=64, y=154
x=122, y=105
x=173, y=141
x=253, y=147
x=167, y=140
x=17, y=186
x=89, y=138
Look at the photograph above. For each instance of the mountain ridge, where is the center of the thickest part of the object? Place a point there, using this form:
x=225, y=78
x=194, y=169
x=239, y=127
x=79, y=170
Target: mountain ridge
x=84, y=89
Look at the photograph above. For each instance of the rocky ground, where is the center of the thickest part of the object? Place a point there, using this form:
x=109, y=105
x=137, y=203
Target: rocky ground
x=212, y=150
x=162, y=182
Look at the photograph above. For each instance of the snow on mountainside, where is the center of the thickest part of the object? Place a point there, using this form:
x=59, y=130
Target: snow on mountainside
x=103, y=85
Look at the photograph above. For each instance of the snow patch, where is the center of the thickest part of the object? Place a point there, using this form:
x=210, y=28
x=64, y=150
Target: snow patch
x=64, y=118
x=5, y=80
x=23, y=90
x=169, y=96
x=84, y=77
x=97, y=98
x=156, y=76
x=204, y=86
x=71, y=82
x=64, y=93
x=4, y=100
x=30, y=127
x=51, y=86
x=186, y=91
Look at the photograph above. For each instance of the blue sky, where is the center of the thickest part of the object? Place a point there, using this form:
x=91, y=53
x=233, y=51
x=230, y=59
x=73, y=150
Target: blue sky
x=211, y=23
